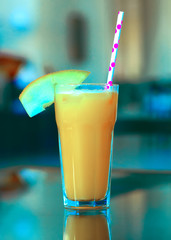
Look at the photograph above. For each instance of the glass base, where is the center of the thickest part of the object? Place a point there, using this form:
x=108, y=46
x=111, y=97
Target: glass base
x=87, y=205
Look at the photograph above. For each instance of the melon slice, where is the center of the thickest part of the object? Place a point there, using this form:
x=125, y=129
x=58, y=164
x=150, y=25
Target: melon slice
x=39, y=94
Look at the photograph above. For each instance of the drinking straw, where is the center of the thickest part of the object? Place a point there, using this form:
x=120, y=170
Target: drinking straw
x=115, y=48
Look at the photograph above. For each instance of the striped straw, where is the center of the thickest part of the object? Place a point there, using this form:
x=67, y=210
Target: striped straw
x=115, y=48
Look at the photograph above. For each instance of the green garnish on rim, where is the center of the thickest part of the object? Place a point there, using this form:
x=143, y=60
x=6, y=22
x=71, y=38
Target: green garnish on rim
x=39, y=94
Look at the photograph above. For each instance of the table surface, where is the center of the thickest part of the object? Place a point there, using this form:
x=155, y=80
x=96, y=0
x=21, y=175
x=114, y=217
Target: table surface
x=140, y=208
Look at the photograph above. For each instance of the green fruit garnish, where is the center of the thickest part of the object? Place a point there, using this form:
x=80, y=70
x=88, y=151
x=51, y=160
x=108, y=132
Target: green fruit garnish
x=39, y=94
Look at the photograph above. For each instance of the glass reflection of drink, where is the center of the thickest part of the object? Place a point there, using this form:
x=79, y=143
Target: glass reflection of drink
x=85, y=116
x=91, y=226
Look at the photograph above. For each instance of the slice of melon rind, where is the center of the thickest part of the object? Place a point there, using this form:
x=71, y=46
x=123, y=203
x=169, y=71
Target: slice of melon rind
x=39, y=94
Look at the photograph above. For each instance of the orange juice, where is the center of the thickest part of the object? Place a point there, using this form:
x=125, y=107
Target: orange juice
x=85, y=121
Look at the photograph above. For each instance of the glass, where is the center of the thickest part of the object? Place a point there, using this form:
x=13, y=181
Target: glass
x=85, y=117
x=87, y=225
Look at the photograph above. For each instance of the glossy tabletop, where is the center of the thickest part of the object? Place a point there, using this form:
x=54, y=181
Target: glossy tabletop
x=140, y=208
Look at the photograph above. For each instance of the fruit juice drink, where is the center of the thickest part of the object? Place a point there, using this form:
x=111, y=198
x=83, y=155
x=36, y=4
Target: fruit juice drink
x=85, y=120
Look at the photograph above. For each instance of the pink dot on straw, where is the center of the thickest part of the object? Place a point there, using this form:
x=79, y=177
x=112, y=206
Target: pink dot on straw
x=118, y=12
x=121, y=21
x=109, y=69
x=107, y=87
x=113, y=64
x=115, y=30
x=119, y=26
x=112, y=49
x=110, y=83
x=115, y=45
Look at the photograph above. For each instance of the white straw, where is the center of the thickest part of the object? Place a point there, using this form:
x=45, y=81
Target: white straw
x=115, y=47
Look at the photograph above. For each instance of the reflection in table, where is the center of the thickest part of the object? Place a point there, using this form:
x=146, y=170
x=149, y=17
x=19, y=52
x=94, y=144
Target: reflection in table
x=140, y=207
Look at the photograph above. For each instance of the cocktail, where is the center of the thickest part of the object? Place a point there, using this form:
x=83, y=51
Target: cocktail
x=85, y=116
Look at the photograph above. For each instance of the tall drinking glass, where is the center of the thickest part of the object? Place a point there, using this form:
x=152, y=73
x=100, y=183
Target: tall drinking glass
x=85, y=117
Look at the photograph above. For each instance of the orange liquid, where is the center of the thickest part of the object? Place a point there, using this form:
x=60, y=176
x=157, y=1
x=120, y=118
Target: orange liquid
x=86, y=227
x=85, y=123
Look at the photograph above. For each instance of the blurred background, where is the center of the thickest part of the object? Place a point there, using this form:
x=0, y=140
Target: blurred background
x=40, y=36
